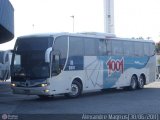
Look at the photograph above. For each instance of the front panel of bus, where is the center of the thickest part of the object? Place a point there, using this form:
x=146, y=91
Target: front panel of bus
x=29, y=69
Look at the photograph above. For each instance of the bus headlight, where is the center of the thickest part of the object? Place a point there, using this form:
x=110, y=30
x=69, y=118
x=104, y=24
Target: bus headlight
x=46, y=91
x=44, y=84
x=13, y=85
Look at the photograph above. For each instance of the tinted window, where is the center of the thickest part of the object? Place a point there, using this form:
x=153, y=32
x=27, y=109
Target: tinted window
x=1, y=57
x=90, y=46
x=33, y=43
x=76, y=46
x=138, y=49
x=152, y=49
x=117, y=47
x=7, y=58
x=146, y=49
x=61, y=45
x=102, y=48
x=109, y=47
x=128, y=48
x=17, y=60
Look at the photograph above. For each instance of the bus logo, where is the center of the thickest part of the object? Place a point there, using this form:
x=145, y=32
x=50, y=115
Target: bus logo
x=115, y=66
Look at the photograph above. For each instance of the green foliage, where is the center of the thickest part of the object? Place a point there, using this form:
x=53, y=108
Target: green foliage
x=158, y=47
x=158, y=61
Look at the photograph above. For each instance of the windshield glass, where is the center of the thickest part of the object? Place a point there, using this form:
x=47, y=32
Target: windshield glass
x=29, y=58
x=1, y=56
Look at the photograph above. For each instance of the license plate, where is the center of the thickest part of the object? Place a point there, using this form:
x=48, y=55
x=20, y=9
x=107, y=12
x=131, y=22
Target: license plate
x=27, y=91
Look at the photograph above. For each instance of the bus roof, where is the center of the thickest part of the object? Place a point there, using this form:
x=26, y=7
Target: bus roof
x=88, y=34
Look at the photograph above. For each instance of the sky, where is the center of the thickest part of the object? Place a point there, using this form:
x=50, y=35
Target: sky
x=132, y=18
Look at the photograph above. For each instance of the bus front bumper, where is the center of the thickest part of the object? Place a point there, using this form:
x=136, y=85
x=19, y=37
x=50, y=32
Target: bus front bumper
x=31, y=90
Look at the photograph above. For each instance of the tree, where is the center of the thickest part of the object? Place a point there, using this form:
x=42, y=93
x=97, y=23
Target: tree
x=158, y=47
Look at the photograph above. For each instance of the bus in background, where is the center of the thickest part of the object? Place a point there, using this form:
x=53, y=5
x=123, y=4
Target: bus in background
x=157, y=66
x=70, y=64
x=5, y=60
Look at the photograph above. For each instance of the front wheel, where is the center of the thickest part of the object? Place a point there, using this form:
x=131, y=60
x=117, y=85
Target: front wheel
x=76, y=90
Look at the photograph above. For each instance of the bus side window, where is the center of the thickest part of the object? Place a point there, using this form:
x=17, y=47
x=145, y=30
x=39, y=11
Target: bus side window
x=128, y=48
x=117, y=47
x=138, y=49
x=7, y=58
x=76, y=46
x=152, y=49
x=56, y=63
x=90, y=46
x=61, y=45
x=1, y=57
x=102, y=48
x=109, y=47
x=146, y=49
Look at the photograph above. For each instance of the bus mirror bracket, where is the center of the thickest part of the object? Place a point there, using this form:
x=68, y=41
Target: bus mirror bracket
x=48, y=54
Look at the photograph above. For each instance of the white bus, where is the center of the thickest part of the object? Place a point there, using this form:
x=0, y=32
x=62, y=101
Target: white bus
x=70, y=64
x=5, y=59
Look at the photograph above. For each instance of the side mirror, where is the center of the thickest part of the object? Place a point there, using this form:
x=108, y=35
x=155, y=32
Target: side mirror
x=48, y=54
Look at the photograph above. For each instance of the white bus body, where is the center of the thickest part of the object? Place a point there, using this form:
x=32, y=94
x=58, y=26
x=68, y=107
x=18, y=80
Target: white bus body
x=73, y=63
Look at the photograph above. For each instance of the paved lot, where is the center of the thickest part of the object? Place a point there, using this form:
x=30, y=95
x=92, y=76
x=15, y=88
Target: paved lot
x=142, y=101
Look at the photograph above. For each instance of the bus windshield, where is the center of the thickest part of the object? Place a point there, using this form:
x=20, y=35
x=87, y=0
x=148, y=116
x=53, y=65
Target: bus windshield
x=28, y=61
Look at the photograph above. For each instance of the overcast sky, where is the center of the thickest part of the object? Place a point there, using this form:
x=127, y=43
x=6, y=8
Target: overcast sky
x=133, y=18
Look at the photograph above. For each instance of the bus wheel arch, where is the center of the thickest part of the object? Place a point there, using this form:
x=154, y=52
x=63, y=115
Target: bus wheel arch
x=141, y=81
x=76, y=88
x=80, y=81
x=133, y=82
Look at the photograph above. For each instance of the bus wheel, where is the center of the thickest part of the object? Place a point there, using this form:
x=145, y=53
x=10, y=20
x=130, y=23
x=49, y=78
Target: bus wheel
x=141, y=82
x=133, y=84
x=76, y=90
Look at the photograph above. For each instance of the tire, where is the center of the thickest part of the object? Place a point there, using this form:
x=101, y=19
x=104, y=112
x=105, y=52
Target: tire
x=76, y=90
x=141, y=82
x=133, y=84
